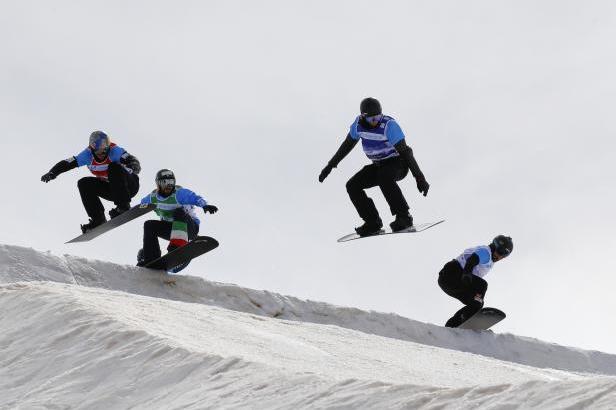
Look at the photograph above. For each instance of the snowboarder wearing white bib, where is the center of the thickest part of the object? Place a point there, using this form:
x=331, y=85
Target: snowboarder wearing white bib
x=384, y=143
x=178, y=221
x=462, y=278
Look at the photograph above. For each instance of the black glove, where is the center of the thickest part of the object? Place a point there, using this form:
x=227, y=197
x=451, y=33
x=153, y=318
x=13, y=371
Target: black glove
x=210, y=208
x=328, y=168
x=467, y=279
x=48, y=177
x=132, y=163
x=423, y=186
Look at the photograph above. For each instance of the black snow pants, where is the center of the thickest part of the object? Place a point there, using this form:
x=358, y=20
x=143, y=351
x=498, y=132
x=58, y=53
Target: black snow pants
x=471, y=294
x=385, y=175
x=153, y=229
x=120, y=187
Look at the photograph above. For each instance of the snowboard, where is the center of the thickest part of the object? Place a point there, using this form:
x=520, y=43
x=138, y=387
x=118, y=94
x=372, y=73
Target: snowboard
x=484, y=319
x=414, y=228
x=133, y=213
x=179, y=258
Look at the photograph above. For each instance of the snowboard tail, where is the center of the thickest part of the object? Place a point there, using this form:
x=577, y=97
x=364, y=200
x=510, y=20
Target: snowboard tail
x=412, y=229
x=133, y=213
x=173, y=261
x=484, y=319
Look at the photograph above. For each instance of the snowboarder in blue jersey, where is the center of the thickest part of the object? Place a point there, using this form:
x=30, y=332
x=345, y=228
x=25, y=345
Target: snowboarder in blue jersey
x=384, y=143
x=462, y=278
x=115, y=177
x=178, y=221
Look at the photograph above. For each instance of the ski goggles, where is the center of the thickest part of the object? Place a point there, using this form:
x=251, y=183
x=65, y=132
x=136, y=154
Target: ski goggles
x=372, y=118
x=100, y=145
x=165, y=183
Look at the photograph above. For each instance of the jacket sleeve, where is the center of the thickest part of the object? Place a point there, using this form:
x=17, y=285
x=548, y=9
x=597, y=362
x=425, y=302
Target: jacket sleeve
x=146, y=199
x=407, y=155
x=347, y=145
x=63, y=166
x=188, y=197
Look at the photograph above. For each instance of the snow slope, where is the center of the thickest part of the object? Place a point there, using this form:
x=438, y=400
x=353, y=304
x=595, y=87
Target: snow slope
x=89, y=334
x=25, y=264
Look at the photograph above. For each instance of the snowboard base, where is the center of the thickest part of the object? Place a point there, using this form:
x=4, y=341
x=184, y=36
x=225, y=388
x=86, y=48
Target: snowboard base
x=388, y=231
x=179, y=258
x=484, y=319
x=133, y=213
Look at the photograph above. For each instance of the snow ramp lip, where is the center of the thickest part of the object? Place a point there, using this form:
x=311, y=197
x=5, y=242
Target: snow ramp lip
x=26, y=264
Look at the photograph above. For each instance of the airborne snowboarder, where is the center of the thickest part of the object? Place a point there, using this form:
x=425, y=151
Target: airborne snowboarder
x=462, y=278
x=384, y=143
x=178, y=221
x=115, y=178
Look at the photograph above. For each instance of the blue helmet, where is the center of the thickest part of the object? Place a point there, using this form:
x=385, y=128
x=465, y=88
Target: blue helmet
x=99, y=142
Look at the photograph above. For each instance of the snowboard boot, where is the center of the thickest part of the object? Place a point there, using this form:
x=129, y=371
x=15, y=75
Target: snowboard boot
x=94, y=222
x=453, y=322
x=403, y=221
x=140, y=259
x=369, y=228
x=118, y=210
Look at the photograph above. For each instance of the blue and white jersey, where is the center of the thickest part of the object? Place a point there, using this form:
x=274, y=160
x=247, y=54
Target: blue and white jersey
x=99, y=168
x=181, y=198
x=378, y=142
x=485, y=260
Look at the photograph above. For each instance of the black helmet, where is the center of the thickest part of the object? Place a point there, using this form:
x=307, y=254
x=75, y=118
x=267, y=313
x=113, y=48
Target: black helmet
x=503, y=245
x=370, y=106
x=164, y=179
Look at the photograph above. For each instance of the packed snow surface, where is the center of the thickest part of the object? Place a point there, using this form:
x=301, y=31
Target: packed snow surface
x=87, y=334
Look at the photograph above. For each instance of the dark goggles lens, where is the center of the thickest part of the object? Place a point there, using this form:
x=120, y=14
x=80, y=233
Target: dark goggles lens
x=167, y=182
x=99, y=144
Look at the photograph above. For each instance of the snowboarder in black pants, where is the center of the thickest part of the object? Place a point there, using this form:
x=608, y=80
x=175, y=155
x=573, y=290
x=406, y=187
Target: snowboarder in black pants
x=115, y=178
x=384, y=143
x=462, y=278
x=179, y=222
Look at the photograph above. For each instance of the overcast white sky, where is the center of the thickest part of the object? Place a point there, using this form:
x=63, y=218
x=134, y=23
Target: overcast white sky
x=507, y=105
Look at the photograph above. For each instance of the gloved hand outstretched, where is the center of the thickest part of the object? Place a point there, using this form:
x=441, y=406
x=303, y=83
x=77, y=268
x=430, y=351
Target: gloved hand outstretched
x=325, y=172
x=48, y=177
x=423, y=186
x=210, y=208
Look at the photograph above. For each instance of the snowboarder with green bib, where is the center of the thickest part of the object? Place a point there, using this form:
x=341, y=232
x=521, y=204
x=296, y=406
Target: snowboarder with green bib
x=178, y=220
